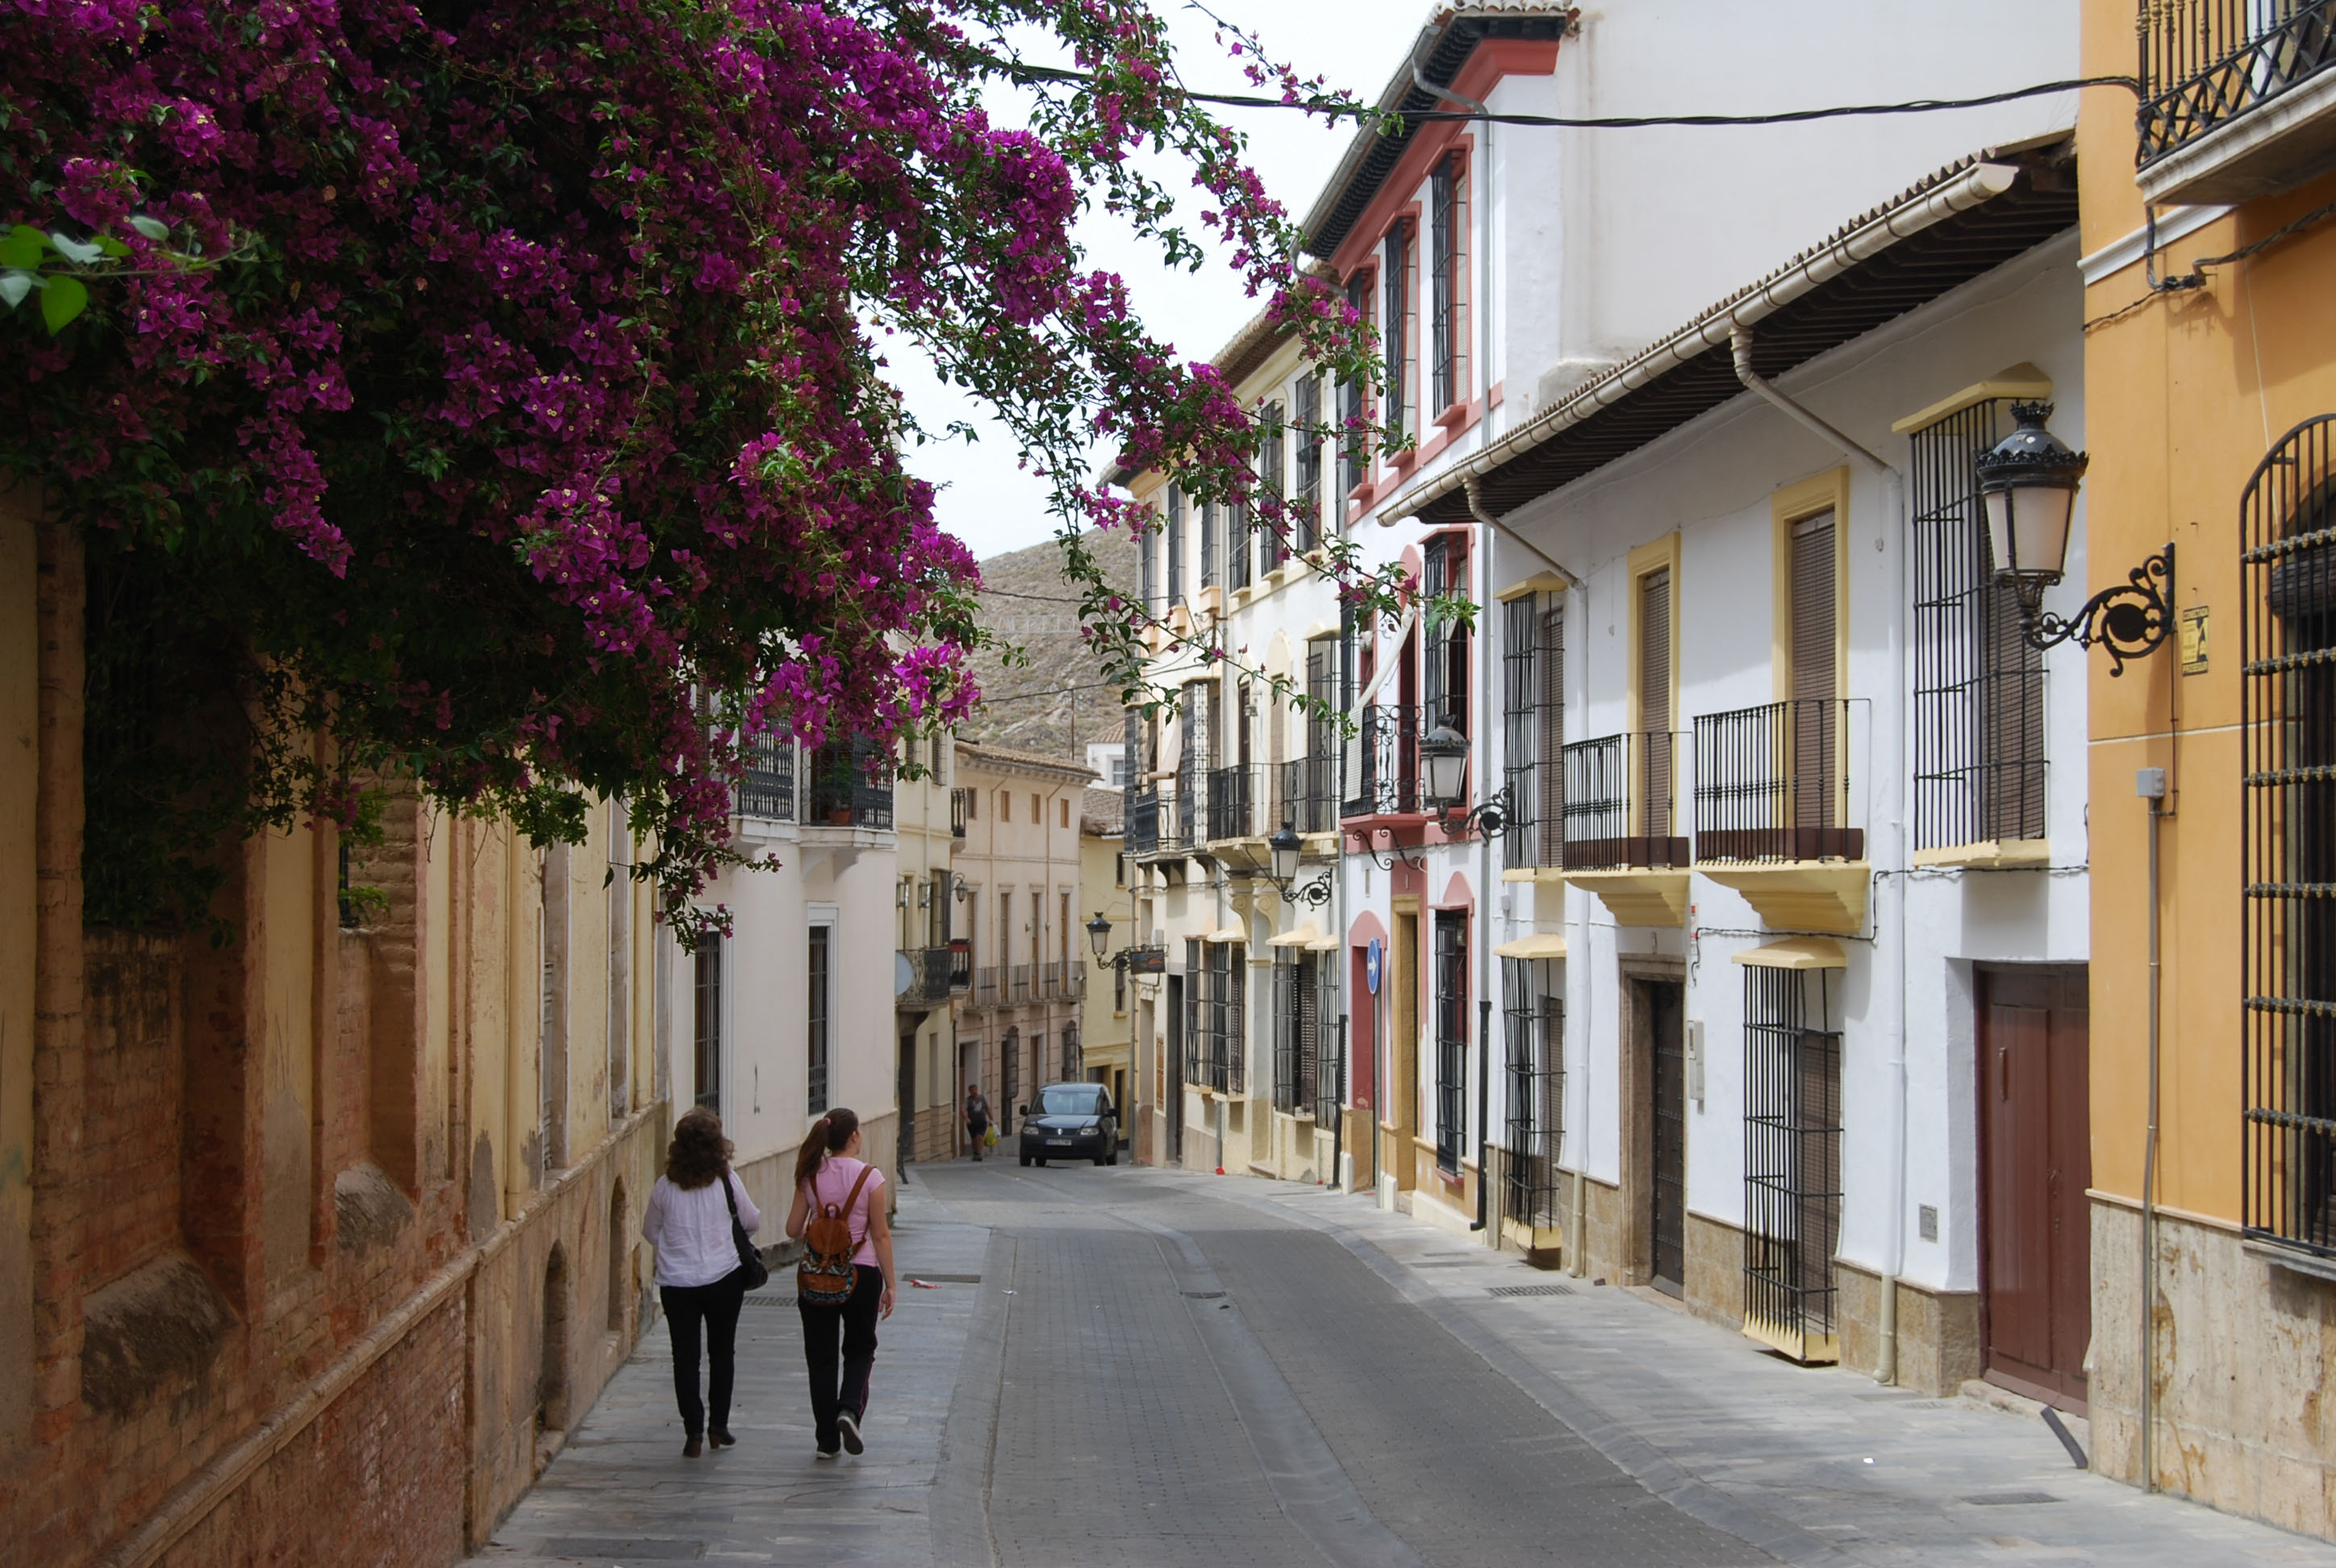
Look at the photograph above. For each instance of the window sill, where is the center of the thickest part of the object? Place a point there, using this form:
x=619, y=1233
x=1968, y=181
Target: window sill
x=1989, y=855
x=1454, y=416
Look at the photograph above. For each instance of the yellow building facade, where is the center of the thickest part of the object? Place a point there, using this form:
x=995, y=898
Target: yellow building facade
x=2208, y=253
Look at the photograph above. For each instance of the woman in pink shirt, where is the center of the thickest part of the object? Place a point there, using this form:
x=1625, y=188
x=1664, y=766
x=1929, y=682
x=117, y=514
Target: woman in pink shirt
x=826, y=1169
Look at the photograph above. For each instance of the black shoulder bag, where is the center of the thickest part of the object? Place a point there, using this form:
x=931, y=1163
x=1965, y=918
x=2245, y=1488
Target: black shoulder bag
x=750, y=1257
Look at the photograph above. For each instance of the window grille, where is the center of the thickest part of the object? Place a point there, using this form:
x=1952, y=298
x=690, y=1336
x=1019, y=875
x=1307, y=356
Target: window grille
x=1285, y=1033
x=1353, y=403
x=706, y=1036
x=1445, y=263
x=1147, y=556
x=1175, y=546
x=1009, y=1069
x=1791, y=1159
x=1445, y=660
x=1979, y=686
x=820, y=1001
x=1272, y=478
x=1306, y=523
x=1196, y=1014
x=1329, y=1063
x=1533, y=1014
x=1209, y=544
x=1533, y=727
x=1395, y=346
x=1308, y=786
x=1222, y=1036
x=767, y=789
x=1451, y=1036
x=1074, y=1054
x=2287, y=630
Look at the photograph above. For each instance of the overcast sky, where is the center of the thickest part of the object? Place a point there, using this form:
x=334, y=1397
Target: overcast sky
x=985, y=499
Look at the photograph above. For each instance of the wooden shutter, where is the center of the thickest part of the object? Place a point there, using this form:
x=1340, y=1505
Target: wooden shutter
x=1655, y=785
x=1813, y=683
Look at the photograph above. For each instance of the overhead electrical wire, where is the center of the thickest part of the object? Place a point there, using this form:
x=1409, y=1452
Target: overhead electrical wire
x=1023, y=71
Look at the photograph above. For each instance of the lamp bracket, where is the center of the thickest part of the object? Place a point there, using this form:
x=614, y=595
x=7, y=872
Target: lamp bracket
x=2131, y=620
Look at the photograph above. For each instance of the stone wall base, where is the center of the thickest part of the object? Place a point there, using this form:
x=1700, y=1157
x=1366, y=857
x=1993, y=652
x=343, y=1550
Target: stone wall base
x=2242, y=1367
x=1938, y=1332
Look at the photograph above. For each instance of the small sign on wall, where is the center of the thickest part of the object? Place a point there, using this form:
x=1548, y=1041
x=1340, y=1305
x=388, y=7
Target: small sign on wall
x=2194, y=640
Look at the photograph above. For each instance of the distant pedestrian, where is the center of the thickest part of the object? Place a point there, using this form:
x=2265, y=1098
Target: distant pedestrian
x=699, y=1277
x=846, y=1282
x=976, y=1117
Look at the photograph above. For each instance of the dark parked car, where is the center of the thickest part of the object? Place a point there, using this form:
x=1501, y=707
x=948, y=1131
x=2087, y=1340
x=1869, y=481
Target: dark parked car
x=1071, y=1121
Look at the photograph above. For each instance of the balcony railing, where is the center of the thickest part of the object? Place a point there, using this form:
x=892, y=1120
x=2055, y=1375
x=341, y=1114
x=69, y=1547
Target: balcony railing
x=928, y=983
x=767, y=788
x=847, y=789
x=1388, y=784
x=1021, y=982
x=1772, y=784
x=2204, y=63
x=986, y=991
x=1184, y=811
x=1621, y=801
x=1062, y=982
x=1233, y=802
x=1144, y=821
x=1310, y=794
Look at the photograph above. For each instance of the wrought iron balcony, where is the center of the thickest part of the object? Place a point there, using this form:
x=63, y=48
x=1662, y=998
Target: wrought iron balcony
x=930, y=977
x=1388, y=778
x=1621, y=794
x=767, y=788
x=849, y=787
x=1144, y=821
x=1234, y=803
x=960, y=964
x=1184, y=811
x=1021, y=982
x=1310, y=794
x=2205, y=63
x=1772, y=784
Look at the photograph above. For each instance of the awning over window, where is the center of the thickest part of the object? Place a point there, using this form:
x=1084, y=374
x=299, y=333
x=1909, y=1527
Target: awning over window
x=1226, y=934
x=1540, y=945
x=1795, y=953
x=1323, y=945
x=1305, y=936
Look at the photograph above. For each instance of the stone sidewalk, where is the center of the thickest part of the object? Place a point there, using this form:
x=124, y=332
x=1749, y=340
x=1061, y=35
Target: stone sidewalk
x=620, y=1492
x=1864, y=1474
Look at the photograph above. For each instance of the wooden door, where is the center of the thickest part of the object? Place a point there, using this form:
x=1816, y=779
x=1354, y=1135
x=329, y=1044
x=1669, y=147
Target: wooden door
x=1665, y=1003
x=1403, y=1055
x=2034, y=1164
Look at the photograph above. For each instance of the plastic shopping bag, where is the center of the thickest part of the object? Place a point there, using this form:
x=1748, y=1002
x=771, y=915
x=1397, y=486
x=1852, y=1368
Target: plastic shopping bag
x=989, y=1138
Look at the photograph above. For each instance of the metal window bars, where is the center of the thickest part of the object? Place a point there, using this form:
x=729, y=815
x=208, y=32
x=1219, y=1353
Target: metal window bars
x=930, y=971
x=1210, y=545
x=1792, y=1160
x=1395, y=348
x=1451, y=1037
x=2203, y=63
x=1144, y=821
x=1386, y=781
x=705, y=1043
x=766, y=789
x=1772, y=783
x=1533, y=1017
x=960, y=811
x=1306, y=520
x=1074, y=1055
x=1532, y=712
x=1444, y=331
x=2287, y=631
x=845, y=791
x=1978, y=716
x=1619, y=804
x=1297, y=1032
x=1234, y=799
x=1354, y=409
x=1196, y=1054
x=1240, y=529
x=1307, y=790
x=1222, y=1036
x=1173, y=546
x=1272, y=478
x=817, y=1015
x=1329, y=1063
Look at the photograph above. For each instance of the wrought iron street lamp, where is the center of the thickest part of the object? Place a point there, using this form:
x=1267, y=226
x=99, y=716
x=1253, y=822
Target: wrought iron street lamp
x=1443, y=758
x=1099, y=934
x=1286, y=846
x=2028, y=482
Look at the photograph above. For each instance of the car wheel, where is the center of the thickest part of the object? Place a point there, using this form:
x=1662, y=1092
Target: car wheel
x=1042, y=1164
x=1113, y=1158
x=1025, y=1161
x=1098, y=1159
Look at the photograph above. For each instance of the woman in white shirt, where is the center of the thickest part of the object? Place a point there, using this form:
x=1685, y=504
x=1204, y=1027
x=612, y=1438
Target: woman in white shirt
x=698, y=1272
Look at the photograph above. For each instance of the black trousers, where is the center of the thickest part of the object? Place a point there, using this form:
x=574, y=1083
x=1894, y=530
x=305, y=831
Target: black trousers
x=980, y=1131
x=716, y=1305
x=854, y=1324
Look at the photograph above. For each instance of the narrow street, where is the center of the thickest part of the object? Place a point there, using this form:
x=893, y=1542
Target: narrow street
x=1123, y=1366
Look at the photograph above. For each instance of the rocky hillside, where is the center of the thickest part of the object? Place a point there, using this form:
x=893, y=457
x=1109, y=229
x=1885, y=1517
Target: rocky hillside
x=1056, y=702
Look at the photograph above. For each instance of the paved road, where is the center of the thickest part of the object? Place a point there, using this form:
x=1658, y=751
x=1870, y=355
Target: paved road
x=1132, y=1367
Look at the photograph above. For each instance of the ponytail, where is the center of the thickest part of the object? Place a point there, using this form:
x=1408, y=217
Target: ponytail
x=828, y=1136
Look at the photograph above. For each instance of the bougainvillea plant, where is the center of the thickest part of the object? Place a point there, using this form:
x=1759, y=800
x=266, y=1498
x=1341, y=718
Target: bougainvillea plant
x=490, y=394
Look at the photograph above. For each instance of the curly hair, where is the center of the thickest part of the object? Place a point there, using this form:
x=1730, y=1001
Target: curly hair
x=699, y=1152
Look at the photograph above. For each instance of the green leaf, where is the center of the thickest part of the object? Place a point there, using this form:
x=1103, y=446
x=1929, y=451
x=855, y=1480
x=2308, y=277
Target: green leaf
x=76, y=250
x=111, y=246
x=64, y=299
x=22, y=248
x=152, y=228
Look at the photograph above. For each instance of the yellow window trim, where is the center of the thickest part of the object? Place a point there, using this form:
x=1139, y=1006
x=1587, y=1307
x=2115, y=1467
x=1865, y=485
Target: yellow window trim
x=1826, y=491
x=1539, y=582
x=2022, y=380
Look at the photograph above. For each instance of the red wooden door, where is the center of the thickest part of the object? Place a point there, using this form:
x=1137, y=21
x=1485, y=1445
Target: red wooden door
x=2035, y=1164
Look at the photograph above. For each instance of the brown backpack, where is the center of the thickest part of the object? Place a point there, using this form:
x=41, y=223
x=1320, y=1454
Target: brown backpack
x=825, y=1277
